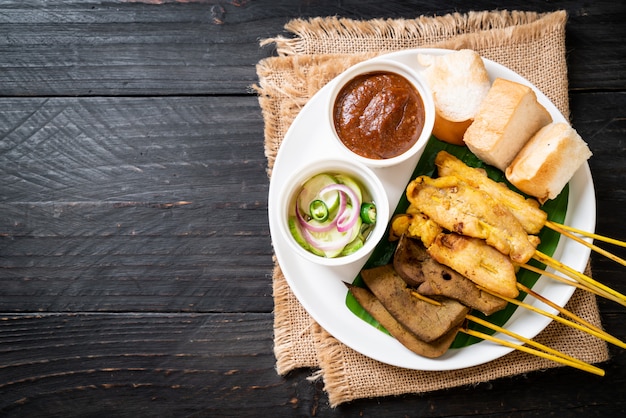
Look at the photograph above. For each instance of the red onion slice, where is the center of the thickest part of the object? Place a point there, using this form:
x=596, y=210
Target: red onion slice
x=345, y=222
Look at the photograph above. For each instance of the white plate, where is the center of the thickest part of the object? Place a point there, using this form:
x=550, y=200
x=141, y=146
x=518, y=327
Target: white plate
x=320, y=289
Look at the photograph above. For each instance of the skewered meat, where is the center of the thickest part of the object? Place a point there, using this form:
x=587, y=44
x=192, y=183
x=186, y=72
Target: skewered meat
x=427, y=321
x=526, y=211
x=415, y=224
x=374, y=307
x=477, y=261
x=412, y=262
x=431, y=278
x=465, y=210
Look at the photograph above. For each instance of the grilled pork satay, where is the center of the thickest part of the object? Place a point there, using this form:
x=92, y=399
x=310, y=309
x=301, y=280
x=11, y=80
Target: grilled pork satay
x=527, y=211
x=490, y=274
x=465, y=210
x=477, y=261
x=427, y=321
x=374, y=307
x=418, y=269
x=412, y=262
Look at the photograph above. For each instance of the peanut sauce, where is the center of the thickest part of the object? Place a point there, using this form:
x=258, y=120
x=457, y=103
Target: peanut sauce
x=379, y=115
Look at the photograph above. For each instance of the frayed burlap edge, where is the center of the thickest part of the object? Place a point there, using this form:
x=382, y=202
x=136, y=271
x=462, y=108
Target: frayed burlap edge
x=336, y=35
x=287, y=83
x=293, y=329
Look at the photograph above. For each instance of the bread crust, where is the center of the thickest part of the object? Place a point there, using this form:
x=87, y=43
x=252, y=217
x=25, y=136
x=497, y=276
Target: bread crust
x=548, y=161
x=507, y=118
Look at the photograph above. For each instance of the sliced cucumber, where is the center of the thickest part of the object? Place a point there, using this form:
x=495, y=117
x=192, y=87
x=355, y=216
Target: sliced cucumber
x=294, y=228
x=334, y=236
x=310, y=192
x=353, y=246
x=355, y=241
x=351, y=183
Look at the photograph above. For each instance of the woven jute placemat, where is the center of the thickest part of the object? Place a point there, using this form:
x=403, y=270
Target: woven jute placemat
x=529, y=43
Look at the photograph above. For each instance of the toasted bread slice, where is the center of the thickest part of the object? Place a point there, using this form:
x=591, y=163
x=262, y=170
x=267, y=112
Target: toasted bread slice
x=508, y=117
x=459, y=82
x=548, y=161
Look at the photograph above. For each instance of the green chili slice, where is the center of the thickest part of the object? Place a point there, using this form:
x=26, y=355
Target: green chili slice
x=368, y=213
x=318, y=210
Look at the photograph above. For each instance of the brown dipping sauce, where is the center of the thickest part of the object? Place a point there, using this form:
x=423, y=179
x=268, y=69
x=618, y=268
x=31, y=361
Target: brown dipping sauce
x=379, y=115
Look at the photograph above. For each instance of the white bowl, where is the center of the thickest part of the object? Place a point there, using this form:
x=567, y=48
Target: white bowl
x=415, y=78
x=357, y=171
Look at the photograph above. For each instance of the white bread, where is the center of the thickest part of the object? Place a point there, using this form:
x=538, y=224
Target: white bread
x=459, y=82
x=507, y=118
x=548, y=161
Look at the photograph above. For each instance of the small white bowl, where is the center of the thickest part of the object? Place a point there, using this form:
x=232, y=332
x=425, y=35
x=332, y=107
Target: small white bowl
x=357, y=171
x=415, y=78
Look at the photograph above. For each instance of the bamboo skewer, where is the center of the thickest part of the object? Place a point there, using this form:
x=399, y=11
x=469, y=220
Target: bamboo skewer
x=585, y=366
x=561, y=279
x=602, y=335
x=595, y=248
x=571, y=315
x=580, y=277
x=570, y=282
x=425, y=298
x=548, y=353
x=602, y=238
x=559, y=359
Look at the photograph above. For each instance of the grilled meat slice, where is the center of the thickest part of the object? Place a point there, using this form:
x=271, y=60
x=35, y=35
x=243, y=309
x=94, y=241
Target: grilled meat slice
x=410, y=261
x=427, y=321
x=526, y=211
x=465, y=210
x=374, y=307
x=477, y=261
x=431, y=278
x=463, y=290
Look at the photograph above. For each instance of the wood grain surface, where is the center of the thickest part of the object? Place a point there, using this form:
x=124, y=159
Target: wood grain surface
x=135, y=256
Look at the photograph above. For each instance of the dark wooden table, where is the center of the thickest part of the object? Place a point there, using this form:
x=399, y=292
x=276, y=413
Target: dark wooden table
x=135, y=256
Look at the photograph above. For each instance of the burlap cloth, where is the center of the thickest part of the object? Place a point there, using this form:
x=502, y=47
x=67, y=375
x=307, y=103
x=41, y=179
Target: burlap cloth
x=529, y=43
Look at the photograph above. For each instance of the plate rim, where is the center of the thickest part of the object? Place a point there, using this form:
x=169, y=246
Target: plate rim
x=393, y=353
